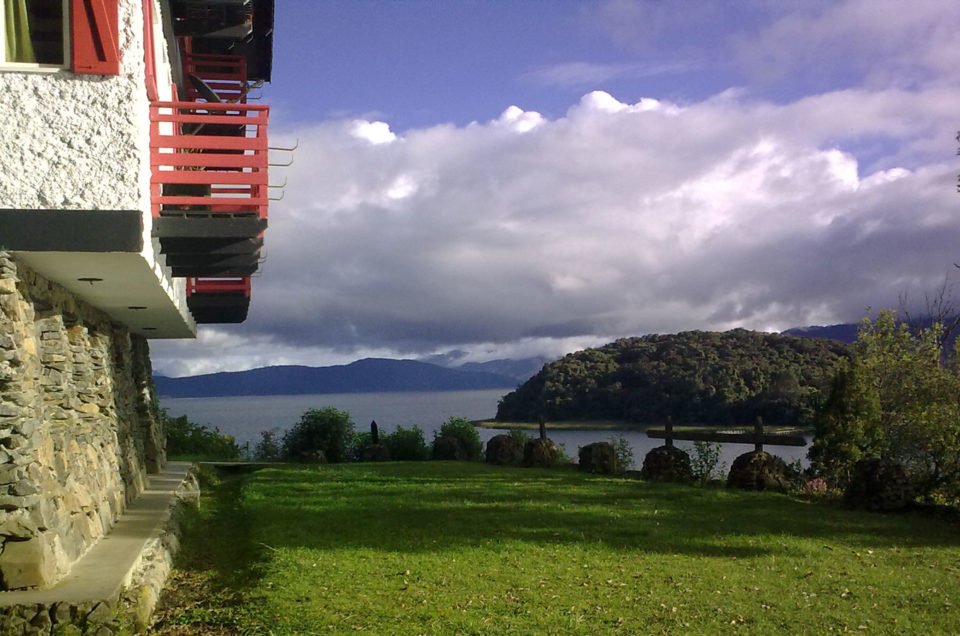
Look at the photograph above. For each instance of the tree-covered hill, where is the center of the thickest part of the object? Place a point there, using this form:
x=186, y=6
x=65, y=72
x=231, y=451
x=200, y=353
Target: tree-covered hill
x=693, y=377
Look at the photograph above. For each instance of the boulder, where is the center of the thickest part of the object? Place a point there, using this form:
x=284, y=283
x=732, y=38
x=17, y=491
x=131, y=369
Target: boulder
x=880, y=485
x=667, y=463
x=759, y=470
x=542, y=453
x=449, y=448
x=504, y=450
x=599, y=458
x=376, y=453
x=313, y=457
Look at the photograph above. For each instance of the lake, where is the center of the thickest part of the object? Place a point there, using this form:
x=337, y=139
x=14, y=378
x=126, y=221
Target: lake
x=245, y=417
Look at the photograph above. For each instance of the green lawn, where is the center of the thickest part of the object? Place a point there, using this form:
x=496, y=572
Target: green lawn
x=457, y=548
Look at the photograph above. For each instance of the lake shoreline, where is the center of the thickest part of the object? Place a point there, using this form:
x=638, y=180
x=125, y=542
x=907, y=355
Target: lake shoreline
x=622, y=425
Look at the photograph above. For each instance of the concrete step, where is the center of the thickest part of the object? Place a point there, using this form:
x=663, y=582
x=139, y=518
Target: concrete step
x=102, y=584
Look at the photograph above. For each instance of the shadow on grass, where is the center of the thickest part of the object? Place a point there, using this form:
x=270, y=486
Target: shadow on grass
x=437, y=506
x=217, y=569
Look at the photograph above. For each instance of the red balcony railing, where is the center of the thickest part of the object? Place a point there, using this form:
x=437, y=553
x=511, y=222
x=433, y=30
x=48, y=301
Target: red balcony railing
x=224, y=75
x=234, y=286
x=208, y=158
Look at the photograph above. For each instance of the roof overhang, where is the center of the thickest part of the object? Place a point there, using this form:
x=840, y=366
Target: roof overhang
x=101, y=257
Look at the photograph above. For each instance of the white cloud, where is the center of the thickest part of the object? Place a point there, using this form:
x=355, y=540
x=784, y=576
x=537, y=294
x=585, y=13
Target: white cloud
x=878, y=42
x=615, y=219
x=591, y=74
x=376, y=132
x=519, y=120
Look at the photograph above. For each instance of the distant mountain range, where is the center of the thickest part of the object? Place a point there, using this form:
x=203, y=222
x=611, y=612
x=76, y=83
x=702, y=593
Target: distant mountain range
x=364, y=376
x=843, y=333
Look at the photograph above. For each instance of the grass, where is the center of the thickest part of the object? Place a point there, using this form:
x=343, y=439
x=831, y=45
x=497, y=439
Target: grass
x=458, y=548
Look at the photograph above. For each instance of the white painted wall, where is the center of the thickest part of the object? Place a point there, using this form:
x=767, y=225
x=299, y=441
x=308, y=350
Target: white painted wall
x=77, y=141
x=82, y=142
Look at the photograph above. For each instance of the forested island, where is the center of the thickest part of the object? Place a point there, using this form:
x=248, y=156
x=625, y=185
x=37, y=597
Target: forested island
x=693, y=377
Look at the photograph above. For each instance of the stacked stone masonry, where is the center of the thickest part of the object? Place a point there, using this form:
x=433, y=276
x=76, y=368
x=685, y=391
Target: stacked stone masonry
x=78, y=426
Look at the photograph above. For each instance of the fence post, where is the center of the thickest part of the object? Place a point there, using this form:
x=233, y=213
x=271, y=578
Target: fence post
x=668, y=428
x=543, y=428
x=758, y=435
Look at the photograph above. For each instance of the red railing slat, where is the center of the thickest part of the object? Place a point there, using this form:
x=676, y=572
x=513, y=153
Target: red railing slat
x=220, y=147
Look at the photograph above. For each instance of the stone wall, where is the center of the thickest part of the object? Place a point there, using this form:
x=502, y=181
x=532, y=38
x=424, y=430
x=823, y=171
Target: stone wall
x=78, y=426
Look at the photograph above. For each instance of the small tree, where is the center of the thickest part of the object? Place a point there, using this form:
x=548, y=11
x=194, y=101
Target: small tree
x=269, y=448
x=327, y=430
x=894, y=400
x=188, y=440
x=465, y=434
x=407, y=444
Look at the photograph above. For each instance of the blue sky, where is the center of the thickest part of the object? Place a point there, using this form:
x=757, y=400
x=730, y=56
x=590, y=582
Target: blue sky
x=525, y=178
x=419, y=63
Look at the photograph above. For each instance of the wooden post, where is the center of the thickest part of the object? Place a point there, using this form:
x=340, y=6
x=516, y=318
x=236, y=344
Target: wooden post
x=758, y=435
x=668, y=427
x=543, y=428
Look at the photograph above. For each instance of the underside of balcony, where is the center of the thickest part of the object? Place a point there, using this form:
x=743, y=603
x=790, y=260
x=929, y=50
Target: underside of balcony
x=218, y=300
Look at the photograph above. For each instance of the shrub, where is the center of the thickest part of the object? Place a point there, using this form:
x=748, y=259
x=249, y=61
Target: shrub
x=361, y=442
x=896, y=400
x=375, y=453
x=705, y=463
x=195, y=441
x=449, y=448
x=519, y=436
x=879, y=485
x=815, y=488
x=327, y=431
x=407, y=444
x=623, y=451
x=465, y=433
x=270, y=446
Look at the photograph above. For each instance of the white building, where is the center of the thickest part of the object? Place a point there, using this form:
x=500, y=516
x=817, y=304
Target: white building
x=133, y=201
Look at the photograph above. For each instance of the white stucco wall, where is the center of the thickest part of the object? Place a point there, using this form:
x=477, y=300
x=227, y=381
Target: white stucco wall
x=82, y=142
x=78, y=141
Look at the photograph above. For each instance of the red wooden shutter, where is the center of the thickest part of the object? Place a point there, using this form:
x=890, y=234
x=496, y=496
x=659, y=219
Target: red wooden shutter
x=93, y=34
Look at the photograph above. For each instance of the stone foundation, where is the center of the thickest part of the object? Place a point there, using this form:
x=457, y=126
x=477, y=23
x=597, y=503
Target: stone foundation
x=78, y=426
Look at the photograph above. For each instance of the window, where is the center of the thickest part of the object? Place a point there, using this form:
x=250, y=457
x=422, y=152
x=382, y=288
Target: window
x=49, y=34
x=33, y=32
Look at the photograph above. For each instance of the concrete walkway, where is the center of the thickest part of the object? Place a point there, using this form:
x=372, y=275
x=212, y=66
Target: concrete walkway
x=106, y=569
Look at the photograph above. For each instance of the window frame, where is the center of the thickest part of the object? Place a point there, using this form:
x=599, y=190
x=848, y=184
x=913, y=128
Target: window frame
x=36, y=67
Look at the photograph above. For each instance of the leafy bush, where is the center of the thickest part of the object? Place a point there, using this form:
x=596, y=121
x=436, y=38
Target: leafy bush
x=448, y=448
x=460, y=429
x=520, y=436
x=365, y=449
x=879, y=485
x=705, y=462
x=407, y=444
x=623, y=451
x=895, y=400
x=188, y=440
x=327, y=431
x=270, y=446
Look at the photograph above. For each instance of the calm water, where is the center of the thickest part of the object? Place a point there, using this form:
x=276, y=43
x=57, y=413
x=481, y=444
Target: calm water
x=245, y=417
